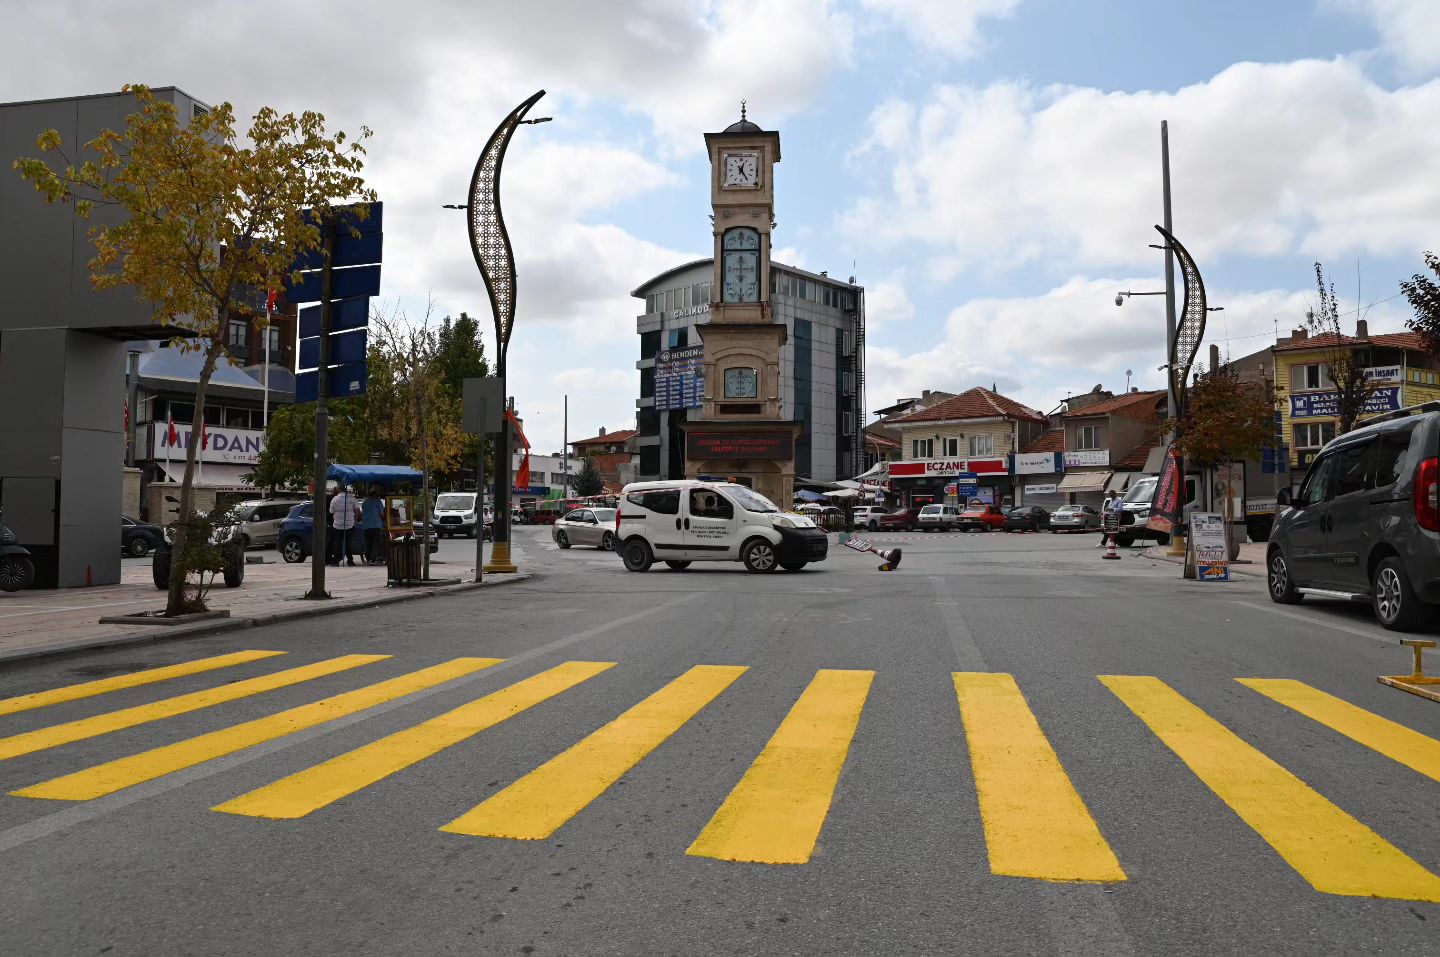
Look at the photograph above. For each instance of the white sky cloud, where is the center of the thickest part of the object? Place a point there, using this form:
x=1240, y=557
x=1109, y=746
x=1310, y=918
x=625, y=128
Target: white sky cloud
x=951, y=27
x=1408, y=30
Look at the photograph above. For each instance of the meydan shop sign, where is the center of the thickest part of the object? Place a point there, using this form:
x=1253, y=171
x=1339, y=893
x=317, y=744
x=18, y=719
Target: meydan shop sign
x=240, y=446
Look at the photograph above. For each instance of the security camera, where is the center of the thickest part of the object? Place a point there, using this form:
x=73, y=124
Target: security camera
x=1119, y=299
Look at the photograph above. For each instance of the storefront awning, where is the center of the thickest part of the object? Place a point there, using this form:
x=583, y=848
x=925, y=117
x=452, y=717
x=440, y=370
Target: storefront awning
x=1084, y=481
x=210, y=475
x=1120, y=481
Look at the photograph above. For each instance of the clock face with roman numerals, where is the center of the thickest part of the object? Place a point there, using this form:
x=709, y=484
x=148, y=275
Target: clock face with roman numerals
x=740, y=170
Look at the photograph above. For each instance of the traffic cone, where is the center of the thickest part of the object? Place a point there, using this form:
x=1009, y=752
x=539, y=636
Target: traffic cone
x=1110, y=550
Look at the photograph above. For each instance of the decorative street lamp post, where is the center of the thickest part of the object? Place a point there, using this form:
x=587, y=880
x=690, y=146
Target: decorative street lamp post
x=491, y=244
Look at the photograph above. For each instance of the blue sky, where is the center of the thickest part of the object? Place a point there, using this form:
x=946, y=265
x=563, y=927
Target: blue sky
x=990, y=167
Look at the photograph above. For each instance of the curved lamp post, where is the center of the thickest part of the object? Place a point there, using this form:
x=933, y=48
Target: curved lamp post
x=490, y=243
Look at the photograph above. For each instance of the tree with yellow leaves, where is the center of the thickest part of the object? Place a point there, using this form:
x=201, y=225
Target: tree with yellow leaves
x=209, y=220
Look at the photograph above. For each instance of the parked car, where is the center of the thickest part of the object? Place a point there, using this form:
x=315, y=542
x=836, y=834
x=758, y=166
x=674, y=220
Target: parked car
x=981, y=518
x=938, y=518
x=1026, y=518
x=585, y=526
x=679, y=522
x=298, y=530
x=1074, y=518
x=138, y=538
x=259, y=520
x=827, y=517
x=1136, y=503
x=867, y=516
x=1366, y=521
x=904, y=519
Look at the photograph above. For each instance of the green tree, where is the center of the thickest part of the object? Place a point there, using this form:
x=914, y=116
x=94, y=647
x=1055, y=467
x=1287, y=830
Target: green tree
x=588, y=481
x=1342, y=359
x=1424, y=296
x=1226, y=419
x=289, y=454
x=460, y=355
x=209, y=218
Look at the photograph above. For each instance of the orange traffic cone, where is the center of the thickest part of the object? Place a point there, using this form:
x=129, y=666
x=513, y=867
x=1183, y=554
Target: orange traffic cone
x=1110, y=550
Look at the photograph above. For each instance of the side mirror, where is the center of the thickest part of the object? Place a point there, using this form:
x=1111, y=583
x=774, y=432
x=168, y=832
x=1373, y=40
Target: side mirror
x=1282, y=497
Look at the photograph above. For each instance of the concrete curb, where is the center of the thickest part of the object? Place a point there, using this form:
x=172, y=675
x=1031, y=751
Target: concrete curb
x=219, y=625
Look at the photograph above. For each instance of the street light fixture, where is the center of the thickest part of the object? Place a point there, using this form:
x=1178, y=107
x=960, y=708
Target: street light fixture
x=490, y=242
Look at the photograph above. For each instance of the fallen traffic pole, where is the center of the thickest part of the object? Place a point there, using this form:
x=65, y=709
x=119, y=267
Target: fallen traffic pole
x=1417, y=683
x=891, y=556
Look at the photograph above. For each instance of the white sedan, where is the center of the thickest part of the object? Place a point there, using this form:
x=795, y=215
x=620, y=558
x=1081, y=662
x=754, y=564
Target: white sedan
x=585, y=526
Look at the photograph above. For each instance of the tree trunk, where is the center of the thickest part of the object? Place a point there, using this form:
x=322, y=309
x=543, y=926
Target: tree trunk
x=175, y=599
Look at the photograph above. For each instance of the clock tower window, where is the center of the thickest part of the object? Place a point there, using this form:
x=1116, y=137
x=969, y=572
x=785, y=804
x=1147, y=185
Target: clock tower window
x=740, y=276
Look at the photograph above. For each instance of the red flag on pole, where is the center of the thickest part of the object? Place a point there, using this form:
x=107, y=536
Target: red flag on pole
x=204, y=435
x=522, y=477
x=172, y=437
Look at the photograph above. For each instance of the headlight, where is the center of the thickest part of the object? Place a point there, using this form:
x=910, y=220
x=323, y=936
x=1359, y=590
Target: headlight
x=783, y=521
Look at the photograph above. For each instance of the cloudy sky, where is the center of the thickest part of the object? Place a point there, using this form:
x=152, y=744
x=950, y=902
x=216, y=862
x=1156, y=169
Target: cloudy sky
x=988, y=169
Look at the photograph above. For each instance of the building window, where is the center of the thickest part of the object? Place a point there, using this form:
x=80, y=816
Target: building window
x=238, y=335
x=922, y=448
x=649, y=344
x=679, y=338
x=741, y=383
x=1313, y=435
x=273, y=334
x=952, y=448
x=238, y=418
x=982, y=445
x=1089, y=437
x=741, y=265
x=1312, y=376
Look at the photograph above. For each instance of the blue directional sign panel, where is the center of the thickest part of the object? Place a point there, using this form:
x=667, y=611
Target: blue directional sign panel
x=680, y=378
x=344, y=314
x=354, y=271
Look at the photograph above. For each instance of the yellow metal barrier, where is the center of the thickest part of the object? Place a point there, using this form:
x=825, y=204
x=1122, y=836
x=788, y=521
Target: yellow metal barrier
x=1417, y=683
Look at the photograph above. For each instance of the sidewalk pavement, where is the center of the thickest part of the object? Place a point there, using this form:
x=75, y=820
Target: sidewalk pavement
x=1251, y=561
x=43, y=622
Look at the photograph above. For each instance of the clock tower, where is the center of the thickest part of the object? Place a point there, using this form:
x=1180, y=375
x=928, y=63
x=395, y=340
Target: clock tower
x=740, y=431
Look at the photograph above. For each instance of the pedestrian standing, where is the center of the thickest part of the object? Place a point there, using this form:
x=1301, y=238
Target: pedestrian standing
x=345, y=515
x=372, y=522
x=1110, y=507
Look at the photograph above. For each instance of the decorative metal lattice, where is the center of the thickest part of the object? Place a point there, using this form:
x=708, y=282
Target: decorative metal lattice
x=489, y=239
x=1191, y=328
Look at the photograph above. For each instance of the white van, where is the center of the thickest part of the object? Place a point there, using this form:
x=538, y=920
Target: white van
x=455, y=514
x=681, y=522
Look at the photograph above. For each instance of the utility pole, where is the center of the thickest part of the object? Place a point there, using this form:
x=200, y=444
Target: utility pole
x=565, y=451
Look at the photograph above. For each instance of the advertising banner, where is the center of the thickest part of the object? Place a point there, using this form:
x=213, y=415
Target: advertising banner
x=1038, y=463
x=240, y=446
x=1165, y=508
x=748, y=445
x=1207, y=538
x=679, y=378
x=1087, y=457
x=947, y=468
x=1049, y=488
x=1308, y=405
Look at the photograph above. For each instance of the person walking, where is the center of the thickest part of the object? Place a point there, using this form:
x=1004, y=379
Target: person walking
x=372, y=522
x=1111, y=506
x=344, y=514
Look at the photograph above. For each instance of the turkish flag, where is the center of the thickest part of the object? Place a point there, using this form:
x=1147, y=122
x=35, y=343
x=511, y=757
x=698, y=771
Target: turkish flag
x=171, y=434
x=522, y=477
x=204, y=435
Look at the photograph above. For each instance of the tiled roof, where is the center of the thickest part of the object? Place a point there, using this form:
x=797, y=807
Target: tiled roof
x=880, y=441
x=976, y=403
x=1390, y=340
x=1052, y=441
x=609, y=438
x=1131, y=404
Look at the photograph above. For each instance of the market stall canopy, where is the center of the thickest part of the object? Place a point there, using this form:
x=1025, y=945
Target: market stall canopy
x=383, y=475
x=805, y=495
x=880, y=470
x=1084, y=481
x=843, y=493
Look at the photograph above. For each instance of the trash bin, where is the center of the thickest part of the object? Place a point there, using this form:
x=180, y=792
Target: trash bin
x=403, y=561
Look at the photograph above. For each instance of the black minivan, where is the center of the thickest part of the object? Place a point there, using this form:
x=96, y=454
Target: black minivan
x=1366, y=522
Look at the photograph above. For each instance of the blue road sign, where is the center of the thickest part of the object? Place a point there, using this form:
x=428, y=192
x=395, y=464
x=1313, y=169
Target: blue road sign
x=344, y=284
x=344, y=314
x=346, y=381
x=344, y=347
x=349, y=250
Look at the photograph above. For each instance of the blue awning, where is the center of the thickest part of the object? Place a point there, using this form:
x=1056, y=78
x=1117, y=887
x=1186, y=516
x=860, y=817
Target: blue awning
x=374, y=474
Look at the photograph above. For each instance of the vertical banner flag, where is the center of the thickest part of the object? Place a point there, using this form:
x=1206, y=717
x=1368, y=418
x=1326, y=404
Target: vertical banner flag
x=1165, y=509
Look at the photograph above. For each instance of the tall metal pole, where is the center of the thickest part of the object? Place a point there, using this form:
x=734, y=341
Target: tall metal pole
x=565, y=451
x=480, y=511
x=322, y=430
x=1170, y=401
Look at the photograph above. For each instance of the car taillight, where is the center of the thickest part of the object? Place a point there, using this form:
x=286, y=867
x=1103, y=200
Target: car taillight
x=1427, y=494
x=618, y=516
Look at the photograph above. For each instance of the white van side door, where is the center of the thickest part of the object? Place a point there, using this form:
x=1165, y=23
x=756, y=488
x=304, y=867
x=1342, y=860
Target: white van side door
x=711, y=525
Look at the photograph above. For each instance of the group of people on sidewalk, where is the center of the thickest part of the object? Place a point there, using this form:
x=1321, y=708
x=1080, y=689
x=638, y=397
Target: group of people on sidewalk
x=348, y=515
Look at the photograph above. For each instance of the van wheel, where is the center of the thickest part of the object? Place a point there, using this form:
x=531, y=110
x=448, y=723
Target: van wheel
x=678, y=566
x=1394, y=600
x=1277, y=577
x=793, y=566
x=758, y=555
x=637, y=555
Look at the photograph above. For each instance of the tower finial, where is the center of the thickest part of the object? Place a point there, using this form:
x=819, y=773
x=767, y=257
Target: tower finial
x=742, y=110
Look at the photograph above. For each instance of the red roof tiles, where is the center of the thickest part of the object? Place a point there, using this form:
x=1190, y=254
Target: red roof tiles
x=1052, y=441
x=1133, y=405
x=609, y=438
x=976, y=403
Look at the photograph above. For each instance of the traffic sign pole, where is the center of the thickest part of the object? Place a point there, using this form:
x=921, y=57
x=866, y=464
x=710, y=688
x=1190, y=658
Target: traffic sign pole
x=322, y=430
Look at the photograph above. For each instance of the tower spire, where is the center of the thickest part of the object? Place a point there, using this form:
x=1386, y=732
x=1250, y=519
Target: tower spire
x=742, y=110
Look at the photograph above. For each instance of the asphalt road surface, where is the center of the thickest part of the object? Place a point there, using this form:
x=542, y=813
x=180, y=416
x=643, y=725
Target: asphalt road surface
x=1007, y=746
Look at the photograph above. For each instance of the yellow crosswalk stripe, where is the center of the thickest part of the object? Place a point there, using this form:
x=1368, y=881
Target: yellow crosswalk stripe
x=1395, y=741
x=537, y=805
x=112, y=776
x=79, y=730
x=324, y=784
x=89, y=689
x=1036, y=824
x=775, y=814
x=1330, y=849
